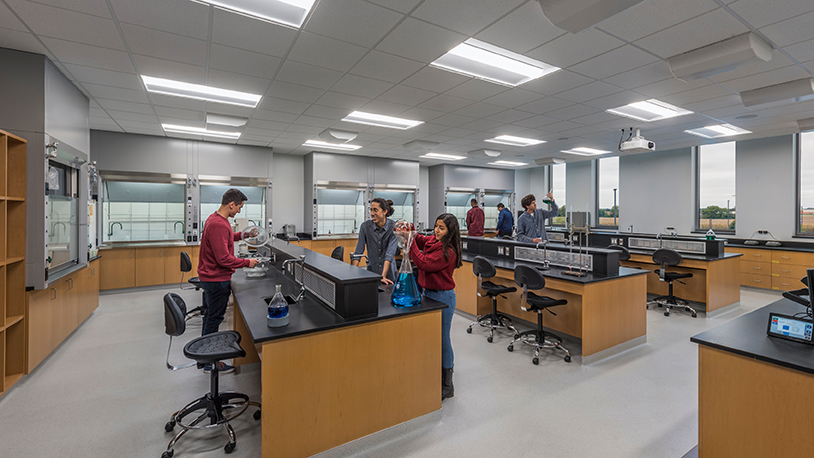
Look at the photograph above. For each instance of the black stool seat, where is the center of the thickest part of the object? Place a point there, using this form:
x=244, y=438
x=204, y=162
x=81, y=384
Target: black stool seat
x=215, y=347
x=195, y=281
x=536, y=302
x=494, y=290
x=670, y=276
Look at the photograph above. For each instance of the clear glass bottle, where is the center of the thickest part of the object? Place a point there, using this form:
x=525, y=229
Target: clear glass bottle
x=710, y=235
x=278, y=310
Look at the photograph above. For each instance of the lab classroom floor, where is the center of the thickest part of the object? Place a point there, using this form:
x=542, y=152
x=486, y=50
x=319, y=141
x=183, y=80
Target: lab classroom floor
x=105, y=392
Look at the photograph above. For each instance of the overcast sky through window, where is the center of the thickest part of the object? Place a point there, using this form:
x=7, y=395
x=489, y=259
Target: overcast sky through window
x=717, y=174
x=608, y=180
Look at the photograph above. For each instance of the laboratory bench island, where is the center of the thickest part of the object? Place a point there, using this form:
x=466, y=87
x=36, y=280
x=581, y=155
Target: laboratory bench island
x=347, y=365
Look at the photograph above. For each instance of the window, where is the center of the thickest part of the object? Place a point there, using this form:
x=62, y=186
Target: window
x=558, y=189
x=608, y=187
x=490, y=211
x=716, y=187
x=805, y=170
x=340, y=211
x=63, y=215
x=254, y=209
x=139, y=212
x=458, y=203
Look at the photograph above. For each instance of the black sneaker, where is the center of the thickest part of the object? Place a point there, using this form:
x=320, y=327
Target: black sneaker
x=223, y=368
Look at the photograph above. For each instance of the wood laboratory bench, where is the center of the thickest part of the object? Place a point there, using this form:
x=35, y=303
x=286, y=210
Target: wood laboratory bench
x=755, y=393
x=326, y=380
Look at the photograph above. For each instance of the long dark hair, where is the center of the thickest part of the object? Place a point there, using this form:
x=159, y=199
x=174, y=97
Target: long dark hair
x=385, y=205
x=452, y=239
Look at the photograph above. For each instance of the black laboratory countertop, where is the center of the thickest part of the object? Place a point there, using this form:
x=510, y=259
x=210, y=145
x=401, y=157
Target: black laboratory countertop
x=557, y=272
x=309, y=315
x=694, y=257
x=746, y=336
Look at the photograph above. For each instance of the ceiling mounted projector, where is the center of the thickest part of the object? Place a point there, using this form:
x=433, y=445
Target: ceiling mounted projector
x=805, y=124
x=483, y=152
x=795, y=91
x=419, y=145
x=720, y=57
x=578, y=15
x=549, y=161
x=336, y=135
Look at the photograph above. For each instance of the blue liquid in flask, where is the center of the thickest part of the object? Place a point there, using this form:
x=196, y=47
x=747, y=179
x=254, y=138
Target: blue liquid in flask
x=405, y=293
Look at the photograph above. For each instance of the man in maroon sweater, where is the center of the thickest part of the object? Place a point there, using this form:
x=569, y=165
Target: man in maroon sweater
x=217, y=261
x=474, y=220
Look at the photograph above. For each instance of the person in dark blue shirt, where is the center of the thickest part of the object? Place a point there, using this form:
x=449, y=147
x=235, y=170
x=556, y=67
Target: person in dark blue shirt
x=505, y=221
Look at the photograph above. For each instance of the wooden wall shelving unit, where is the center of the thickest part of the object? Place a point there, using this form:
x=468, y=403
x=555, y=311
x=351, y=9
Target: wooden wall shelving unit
x=12, y=260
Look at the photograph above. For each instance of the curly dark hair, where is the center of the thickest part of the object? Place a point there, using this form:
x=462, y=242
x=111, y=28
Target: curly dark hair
x=527, y=200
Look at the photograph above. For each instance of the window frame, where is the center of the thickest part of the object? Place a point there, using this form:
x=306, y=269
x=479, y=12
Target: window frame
x=797, y=150
x=551, y=186
x=596, y=197
x=697, y=173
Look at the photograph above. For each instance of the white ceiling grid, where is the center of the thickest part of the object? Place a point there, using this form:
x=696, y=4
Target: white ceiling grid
x=374, y=55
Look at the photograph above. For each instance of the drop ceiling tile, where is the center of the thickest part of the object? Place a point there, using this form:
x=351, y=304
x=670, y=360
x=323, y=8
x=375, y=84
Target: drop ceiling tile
x=571, y=112
x=482, y=125
x=283, y=105
x=242, y=141
x=712, y=104
x=162, y=68
x=561, y=126
x=445, y=103
x=89, y=56
x=308, y=130
x=615, y=100
x=476, y=90
x=670, y=86
x=429, y=128
x=178, y=102
x=536, y=122
x=791, y=31
x=386, y=67
x=163, y=45
x=809, y=65
x=587, y=130
x=418, y=40
x=570, y=49
x=557, y=82
x=237, y=82
x=105, y=77
x=545, y=105
x=353, y=21
x=186, y=18
x=701, y=31
x=177, y=113
x=118, y=105
x=344, y=101
x=595, y=118
x=779, y=60
x=652, y=16
x=510, y=116
x=521, y=30
x=481, y=110
x=47, y=21
x=802, y=52
x=145, y=126
x=464, y=16
x=115, y=93
x=406, y=95
x=127, y=116
x=326, y=52
x=278, y=116
x=422, y=114
x=294, y=92
x=434, y=79
x=242, y=32
x=647, y=74
x=696, y=95
x=320, y=111
x=92, y=7
x=760, y=14
x=22, y=41
x=247, y=62
x=98, y=113
x=589, y=91
x=458, y=132
x=614, y=62
x=385, y=108
x=513, y=97
x=103, y=124
x=361, y=86
x=313, y=121
x=781, y=75
x=453, y=120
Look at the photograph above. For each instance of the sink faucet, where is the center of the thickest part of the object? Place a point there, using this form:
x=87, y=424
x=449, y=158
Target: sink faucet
x=301, y=262
x=176, y=224
x=544, y=243
x=630, y=228
x=659, y=236
x=109, y=234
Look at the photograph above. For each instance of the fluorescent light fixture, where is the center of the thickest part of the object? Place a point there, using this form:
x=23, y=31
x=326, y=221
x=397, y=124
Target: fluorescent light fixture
x=491, y=63
x=200, y=92
x=805, y=124
x=583, y=151
x=549, y=161
x=443, y=157
x=649, y=110
x=794, y=91
x=577, y=15
x=339, y=146
x=483, y=152
x=373, y=119
x=199, y=131
x=420, y=145
x=508, y=163
x=336, y=135
x=717, y=131
x=286, y=12
x=515, y=141
x=720, y=57
x=226, y=120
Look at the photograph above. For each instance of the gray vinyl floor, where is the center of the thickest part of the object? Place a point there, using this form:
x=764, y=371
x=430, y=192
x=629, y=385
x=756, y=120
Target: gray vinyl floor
x=106, y=392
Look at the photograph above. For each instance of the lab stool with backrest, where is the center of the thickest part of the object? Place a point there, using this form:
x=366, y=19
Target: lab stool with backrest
x=529, y=278
x=624, y=253
x=186, y=266
x=669, y=258
x=338, y=253
x=483, y=268
x=217, y=408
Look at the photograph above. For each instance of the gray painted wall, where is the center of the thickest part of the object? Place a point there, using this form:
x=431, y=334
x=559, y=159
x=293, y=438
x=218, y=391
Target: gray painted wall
x=765, y=187
x=308, y=193
x=424, y=194
x=289, y=197
x=579, y=187
x=656, y=191
x=119, y=152
x=67, y=110
x=436, y=191
x=222, y=159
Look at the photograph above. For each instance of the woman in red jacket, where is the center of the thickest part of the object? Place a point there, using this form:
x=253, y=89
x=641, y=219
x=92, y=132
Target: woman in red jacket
x=437, y=257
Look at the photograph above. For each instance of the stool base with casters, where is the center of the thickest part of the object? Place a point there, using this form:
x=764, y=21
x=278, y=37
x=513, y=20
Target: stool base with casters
x=671, y=301
x=493, y=321
x=540, y=339
x=483, y=268
x=665, y=258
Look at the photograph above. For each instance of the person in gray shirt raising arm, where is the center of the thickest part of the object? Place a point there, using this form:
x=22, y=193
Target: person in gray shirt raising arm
x=377, y=235
x=531, y=224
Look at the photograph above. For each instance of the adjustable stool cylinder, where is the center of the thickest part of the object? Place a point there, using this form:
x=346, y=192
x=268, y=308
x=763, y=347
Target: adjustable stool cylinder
x=186, y=266
x=668, y=258
x=484, y=268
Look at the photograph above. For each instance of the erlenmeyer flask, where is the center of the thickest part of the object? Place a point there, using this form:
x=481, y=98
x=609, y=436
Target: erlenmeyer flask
x=405, y=292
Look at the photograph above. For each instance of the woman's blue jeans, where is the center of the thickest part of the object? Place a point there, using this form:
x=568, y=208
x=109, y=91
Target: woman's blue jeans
x=447, y=297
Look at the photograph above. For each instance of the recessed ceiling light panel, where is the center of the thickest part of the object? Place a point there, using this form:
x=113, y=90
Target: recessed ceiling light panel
x=336, y=146
x=649, y=110
x=583, y=151
x=717, y=131
x=199, y=131
x=491, y=63
x=200, y=92
x=515, y=141
x=508, y=163
x=443, y=157
x=372, y=119
x=286, y=12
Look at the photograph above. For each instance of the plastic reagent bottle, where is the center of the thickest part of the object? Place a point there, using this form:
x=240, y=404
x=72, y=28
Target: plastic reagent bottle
x=278, y=310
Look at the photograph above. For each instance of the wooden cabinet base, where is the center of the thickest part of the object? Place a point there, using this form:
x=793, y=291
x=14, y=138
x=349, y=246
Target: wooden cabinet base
x=749, y=408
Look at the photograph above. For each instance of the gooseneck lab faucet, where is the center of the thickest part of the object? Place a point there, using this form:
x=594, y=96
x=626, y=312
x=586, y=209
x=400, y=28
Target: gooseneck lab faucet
x=301, y=262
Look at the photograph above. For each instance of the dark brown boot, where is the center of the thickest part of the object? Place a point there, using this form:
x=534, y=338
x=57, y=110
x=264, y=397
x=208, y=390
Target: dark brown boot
x=447, y=389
